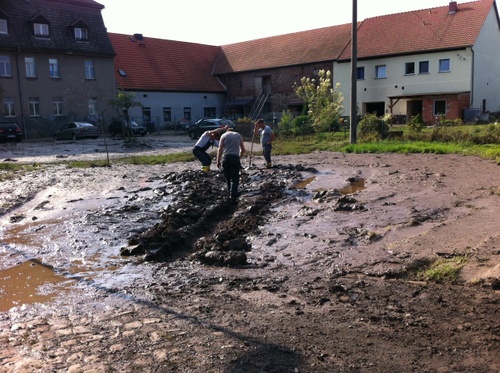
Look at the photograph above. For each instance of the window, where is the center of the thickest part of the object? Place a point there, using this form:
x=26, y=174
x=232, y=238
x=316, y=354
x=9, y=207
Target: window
x=29, y=63
x=380, y=72
x=187, y=113
x=122, y=72
x=5, y=67
x=54, y=68
x=57, y=106
x=93, y=106
x=89, y=70
x=439, y=107
x=41, y=30
x=3, y=26
x=444, y=65
x=81, y=34
x=423, y=67
x=34, y=106
x=409, y=68
x=167, y=114
x=146, y=115
x=8, y=107
x=360, y=73
x=209, y=112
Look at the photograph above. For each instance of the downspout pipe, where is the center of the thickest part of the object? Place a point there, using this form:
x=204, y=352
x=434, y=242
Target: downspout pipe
x=472, y=78
x=20, y=93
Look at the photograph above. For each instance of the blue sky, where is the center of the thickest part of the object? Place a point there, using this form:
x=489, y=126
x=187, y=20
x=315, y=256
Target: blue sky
x=219, y=22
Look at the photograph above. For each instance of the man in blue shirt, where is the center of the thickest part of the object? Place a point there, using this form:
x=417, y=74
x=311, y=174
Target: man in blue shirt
x=266, y=140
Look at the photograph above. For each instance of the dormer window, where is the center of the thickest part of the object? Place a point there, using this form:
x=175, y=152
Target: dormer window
x=3, y=26
x=41, y=30
x=81, y=34
x=41, y=27
x=80, y=30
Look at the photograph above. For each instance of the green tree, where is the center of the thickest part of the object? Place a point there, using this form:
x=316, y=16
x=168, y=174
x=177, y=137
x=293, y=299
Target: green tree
x=124, y=101
x=324, y=103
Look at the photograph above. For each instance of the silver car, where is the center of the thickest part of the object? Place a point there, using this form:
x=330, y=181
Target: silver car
x=77, y=130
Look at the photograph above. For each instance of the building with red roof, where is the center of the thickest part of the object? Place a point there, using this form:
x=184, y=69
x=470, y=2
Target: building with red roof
x=437, y=62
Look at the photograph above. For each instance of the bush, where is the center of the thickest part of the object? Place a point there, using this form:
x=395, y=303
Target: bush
x=285, y=127
x=302, y=125
x=372, y=127
x=416, y=123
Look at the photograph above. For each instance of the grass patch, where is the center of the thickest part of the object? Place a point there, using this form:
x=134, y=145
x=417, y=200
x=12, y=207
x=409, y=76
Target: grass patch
x=136, y=160
x=439, y=270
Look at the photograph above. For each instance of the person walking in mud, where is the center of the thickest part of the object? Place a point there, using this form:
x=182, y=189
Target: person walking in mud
x=267, y=137
x=207, y=140
x=231, y=148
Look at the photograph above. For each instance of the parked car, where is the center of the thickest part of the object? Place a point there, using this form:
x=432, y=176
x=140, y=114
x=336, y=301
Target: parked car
x=197, y=129
x=10, y=132
x=77, y=130
x=117, y=128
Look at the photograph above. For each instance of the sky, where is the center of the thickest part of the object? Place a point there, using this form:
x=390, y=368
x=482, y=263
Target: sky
x=220, y=22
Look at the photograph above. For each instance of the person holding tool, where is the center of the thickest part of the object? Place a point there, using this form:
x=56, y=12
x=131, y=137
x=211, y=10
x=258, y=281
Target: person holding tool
x=208, y=139
x=266, y=140
x=231, y=148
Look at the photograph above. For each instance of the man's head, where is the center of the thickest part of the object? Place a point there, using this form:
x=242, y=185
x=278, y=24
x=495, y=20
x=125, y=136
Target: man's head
x=260, y=123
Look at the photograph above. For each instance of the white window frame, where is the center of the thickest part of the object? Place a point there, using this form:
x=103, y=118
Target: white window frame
x=4, y=29
x=9, y=107
x=57, y=106
x=409, y=68
x=93, y=106
x=30, y=67
x=167, y=114
x=81, y=34
x=34, y=106
x=41, y=30
x=420, y=64
x=187, y=113
x=5, y=66
x=380, y=71
x=444, y=65
x=89, y=70
x=54, y=68
x=360, y=70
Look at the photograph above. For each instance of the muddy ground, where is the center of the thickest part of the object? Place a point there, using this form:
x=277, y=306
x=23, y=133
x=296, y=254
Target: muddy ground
x=316, y=269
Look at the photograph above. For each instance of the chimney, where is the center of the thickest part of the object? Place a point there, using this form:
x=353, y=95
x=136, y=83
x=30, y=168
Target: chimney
x=453, y=8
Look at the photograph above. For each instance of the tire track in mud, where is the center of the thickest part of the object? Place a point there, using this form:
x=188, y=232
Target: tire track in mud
x=203, y=223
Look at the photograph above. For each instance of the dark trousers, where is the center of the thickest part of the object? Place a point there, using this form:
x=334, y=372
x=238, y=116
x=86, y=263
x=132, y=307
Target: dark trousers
x=202, y=156
x=231, y=168
x=266, y=150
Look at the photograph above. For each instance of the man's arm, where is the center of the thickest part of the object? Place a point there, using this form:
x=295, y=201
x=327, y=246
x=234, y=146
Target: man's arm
x=219, y=152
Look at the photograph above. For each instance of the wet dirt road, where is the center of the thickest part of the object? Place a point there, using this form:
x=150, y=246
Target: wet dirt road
x=318, y=283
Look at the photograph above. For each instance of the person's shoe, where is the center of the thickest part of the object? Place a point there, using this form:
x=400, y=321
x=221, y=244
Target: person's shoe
x=205, y=168
x=269, y=165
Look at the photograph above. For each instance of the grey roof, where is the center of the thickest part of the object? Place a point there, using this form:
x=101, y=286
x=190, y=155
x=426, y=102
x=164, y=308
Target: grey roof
x=61, y=16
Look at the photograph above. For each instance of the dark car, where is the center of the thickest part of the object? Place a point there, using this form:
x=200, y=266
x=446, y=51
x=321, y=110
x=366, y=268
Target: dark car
x=77, y=130
x=10, y=132
x=197, y=129
x=117, y=128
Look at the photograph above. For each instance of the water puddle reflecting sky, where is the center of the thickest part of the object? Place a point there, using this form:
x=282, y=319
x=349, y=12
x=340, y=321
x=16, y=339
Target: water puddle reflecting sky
x=30, y=282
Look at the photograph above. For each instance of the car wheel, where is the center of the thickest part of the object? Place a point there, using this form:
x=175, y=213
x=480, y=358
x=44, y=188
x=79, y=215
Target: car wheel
x=192, y=135
x=74, y=137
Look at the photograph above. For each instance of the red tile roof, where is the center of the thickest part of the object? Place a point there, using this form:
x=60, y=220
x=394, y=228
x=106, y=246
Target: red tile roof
x=164, y=65
x=318, y=45
x=421, y=30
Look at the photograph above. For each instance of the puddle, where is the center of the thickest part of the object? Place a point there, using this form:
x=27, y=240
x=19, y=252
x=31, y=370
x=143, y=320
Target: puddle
x=354, y=186
x=30, y=282
x=303, y=184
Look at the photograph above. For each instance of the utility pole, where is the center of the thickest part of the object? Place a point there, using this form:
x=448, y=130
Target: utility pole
x=354, y=76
